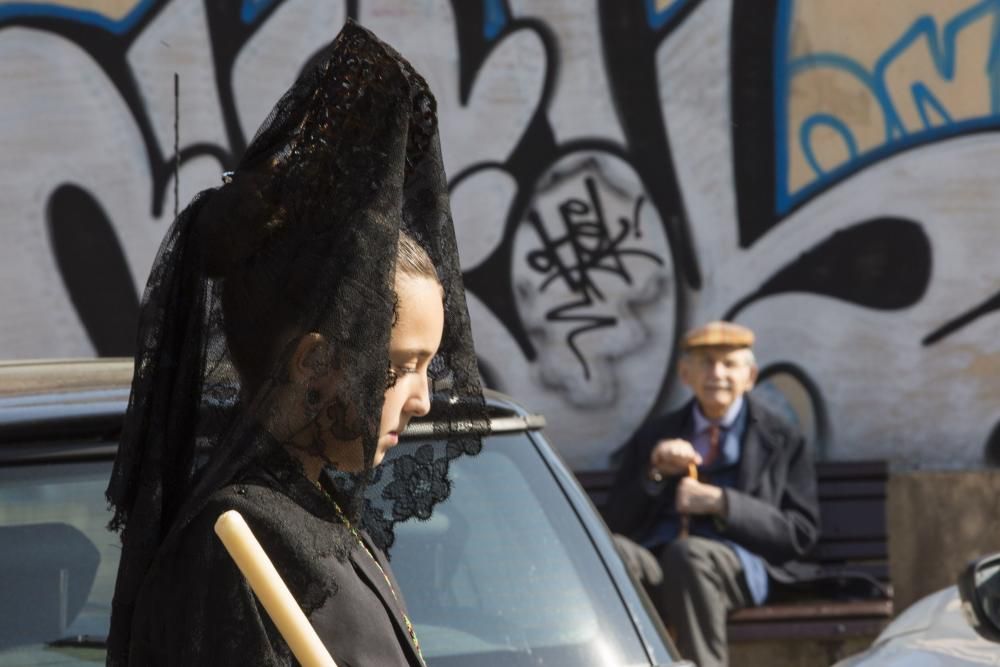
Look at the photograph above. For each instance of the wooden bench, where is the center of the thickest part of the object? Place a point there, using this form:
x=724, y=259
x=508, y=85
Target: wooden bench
x=852, y=498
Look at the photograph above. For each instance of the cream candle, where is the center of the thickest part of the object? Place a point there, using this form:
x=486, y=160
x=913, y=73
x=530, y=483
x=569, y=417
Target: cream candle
x=272, y=592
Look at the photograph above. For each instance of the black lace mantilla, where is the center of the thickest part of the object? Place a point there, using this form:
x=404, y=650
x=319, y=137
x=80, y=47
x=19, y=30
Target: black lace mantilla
x=302, y=238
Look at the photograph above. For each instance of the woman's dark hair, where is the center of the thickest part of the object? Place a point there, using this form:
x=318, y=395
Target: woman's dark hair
x=412, y=260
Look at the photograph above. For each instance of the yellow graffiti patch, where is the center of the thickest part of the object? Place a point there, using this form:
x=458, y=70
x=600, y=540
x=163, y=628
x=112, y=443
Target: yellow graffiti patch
x=865, y=75
x=114, y=10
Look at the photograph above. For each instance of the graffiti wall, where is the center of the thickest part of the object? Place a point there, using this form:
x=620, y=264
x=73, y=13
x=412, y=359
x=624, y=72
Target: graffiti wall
x=824, y=171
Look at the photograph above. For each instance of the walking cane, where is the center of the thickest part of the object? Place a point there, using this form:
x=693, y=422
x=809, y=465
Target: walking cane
x=272, y=592
x=685, y=519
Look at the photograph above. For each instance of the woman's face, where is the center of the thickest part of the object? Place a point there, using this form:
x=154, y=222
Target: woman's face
x=414, y=342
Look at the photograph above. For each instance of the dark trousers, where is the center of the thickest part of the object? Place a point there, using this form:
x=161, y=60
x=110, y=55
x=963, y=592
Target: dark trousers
x=694, y=583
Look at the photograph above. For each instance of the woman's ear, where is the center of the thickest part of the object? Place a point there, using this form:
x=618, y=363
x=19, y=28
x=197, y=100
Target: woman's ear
x=310, y=359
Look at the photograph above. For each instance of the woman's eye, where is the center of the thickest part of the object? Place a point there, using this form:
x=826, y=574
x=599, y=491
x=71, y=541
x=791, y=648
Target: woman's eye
x=403, y=370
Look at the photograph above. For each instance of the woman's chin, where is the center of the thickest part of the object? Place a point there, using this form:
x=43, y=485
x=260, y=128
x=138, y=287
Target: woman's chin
x=385, y=443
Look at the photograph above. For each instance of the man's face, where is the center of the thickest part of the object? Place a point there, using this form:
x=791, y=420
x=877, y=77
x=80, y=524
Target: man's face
x=718, y=376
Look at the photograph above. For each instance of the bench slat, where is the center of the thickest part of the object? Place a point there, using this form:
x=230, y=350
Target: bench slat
x=800, y=610
x=805, y=630
x=826, y=472
x=853, y=519
x=876, y=569
x=600, y=488
x=828, y=551
x=852, y=469
x=843, y=488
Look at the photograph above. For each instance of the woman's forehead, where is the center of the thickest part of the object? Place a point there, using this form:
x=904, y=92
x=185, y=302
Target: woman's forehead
x=420, y=316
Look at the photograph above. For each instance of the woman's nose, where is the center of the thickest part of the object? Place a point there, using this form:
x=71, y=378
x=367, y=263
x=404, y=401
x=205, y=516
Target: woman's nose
x=420, y=401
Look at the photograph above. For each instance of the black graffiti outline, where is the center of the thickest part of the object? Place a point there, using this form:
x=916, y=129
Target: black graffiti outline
x=548, y=261
x=630, y=58
x=623, y=27
x=228, y=35
x=963, y=320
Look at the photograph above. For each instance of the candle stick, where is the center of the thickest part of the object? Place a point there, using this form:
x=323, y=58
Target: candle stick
x=272, y=592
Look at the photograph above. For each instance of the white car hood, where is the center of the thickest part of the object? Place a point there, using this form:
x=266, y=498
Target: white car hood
x=930, y=633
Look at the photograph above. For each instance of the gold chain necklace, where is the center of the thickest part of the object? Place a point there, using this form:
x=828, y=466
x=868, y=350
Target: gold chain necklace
x=388, y=582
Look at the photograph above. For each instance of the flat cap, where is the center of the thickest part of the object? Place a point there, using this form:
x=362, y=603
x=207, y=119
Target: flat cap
x=717, y=334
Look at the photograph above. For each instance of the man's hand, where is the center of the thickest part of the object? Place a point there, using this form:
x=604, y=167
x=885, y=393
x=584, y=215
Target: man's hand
x=672, y=457
x=693, y=497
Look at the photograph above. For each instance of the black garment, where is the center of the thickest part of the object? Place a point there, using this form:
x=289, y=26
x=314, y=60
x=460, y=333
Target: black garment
x=773, y=509
x=300, y=243
x=195, y=608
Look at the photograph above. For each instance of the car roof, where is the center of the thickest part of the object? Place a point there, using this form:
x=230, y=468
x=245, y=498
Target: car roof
x=49, y=376
x=87, y=398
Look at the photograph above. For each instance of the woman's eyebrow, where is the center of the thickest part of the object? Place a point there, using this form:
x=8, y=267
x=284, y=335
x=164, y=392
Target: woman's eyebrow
x=414, y=352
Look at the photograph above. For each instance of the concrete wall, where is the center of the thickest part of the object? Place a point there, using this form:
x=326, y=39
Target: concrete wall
x=824, y=171
x=939, y=522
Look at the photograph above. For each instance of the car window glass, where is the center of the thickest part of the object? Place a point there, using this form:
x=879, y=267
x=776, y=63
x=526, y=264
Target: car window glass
x=505, y=574
x=502, y=574
x=57, y=562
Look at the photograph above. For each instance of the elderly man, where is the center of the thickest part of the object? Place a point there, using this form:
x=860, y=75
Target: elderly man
x=716, y=501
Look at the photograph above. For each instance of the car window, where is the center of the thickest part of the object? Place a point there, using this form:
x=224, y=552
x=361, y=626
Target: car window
x=57, y=562
x=502, y=574
x=505, y=574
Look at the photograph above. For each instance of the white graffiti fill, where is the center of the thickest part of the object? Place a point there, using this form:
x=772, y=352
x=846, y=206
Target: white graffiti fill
x=588, y=272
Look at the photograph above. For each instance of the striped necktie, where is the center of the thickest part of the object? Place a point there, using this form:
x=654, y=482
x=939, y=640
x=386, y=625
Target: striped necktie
x=714, y=434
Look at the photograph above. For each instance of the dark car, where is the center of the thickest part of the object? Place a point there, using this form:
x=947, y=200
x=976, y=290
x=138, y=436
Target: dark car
x=516, y=568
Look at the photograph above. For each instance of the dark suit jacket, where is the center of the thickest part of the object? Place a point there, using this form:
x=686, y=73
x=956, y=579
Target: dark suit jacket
x=773, y=509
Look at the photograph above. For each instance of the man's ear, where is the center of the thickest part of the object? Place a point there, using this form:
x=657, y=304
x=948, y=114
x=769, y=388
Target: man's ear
x=310, y=359
x=684, y=371
x=754, y=370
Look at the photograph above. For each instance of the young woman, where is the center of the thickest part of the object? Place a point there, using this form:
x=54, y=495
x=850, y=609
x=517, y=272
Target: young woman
x=291, y=327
